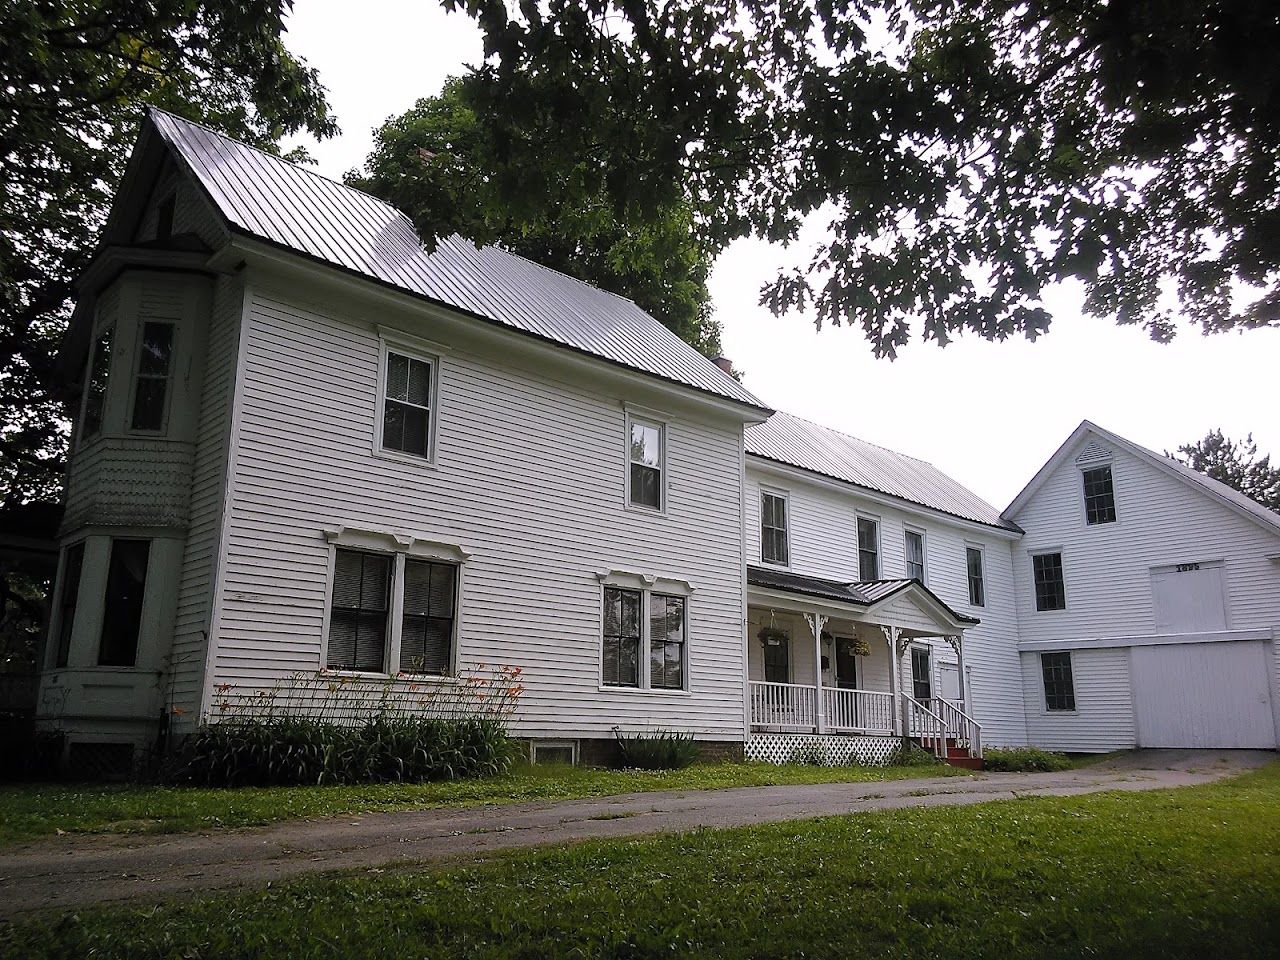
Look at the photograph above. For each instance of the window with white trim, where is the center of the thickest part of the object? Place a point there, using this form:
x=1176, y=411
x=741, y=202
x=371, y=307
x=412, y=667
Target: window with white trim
x=1059, y=686
x=1099, y=496
x=96, y=383
x=369, y=586
x=408, y=387
x=977, y=577
x=868, y=549
x=628, y=630
x=914, y=553
x=151, y=379
x=774, y=547
x=125, y=593
x=1050, y=584
x=646, y=462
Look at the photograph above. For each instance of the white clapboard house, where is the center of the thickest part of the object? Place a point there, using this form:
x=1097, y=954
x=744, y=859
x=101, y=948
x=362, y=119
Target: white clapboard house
x=305, y=443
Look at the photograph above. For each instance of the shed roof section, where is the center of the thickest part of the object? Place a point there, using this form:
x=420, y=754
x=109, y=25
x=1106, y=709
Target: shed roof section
x=791, y=440
x=267, y=198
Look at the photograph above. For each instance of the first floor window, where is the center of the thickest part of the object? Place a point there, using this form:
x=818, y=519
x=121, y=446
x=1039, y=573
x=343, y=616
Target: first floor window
x=915, y=555
x=1059, y=689
x=122, y=609
x=67, y=602
x=773, y=529
x=921, y=685
x=977, y=582
x=406, y=406
x=646, y=464
x=1099, y=496
x=666, y=642
x=621, y=637
x=1051, y=589
x=868, y=549
x=151, y=386
x=426, y=633
x=96, y=386
x=359, y=611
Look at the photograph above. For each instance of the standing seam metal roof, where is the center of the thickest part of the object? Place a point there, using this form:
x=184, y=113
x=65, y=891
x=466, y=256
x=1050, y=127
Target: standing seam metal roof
x=791, y=440
x=285, y=205
x=863, y=593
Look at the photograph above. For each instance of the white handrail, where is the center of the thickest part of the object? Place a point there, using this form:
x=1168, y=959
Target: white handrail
x=926, y=726
x=961, y=727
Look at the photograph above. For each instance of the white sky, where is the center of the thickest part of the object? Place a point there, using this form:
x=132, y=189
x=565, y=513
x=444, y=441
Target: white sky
x=989, y=414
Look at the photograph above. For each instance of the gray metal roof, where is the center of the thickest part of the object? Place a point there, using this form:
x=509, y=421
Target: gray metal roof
x=809, y=446
x=291, y=207
x=862, y=593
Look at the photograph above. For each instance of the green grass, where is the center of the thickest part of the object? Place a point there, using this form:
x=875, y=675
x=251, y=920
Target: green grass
x=30, y=812
x=1170, y=874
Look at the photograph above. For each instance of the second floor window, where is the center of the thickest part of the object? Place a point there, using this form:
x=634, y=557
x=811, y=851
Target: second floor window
x=1051, y=590
x=646, y=464
x=151, y=384
x=406, y=407
x=868, y=549
x=977, y=580
x=915, y=555
x=96, y=387
x=773, y=529
x=1099, y=496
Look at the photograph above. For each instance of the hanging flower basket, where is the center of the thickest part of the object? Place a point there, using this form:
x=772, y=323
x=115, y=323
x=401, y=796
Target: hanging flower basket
x=772, y=636
x=856, y=647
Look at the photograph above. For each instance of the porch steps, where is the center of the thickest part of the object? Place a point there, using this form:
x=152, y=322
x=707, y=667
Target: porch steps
x=957, y=756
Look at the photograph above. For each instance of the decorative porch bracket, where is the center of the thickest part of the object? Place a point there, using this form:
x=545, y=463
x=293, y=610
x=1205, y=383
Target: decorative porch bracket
x=896, y=647
x=817, y=622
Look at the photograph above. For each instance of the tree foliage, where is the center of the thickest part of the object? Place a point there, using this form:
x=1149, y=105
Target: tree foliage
x=75, y=78
x=1235, y=463
x=965, y=154
x=450, y=172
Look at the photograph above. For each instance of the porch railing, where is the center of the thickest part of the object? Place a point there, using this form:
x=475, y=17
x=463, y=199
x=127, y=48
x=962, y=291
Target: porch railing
x=783, y=706
x=926, y=727
x=861, y=711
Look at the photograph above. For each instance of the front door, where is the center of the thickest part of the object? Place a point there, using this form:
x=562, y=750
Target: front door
x=846, y=664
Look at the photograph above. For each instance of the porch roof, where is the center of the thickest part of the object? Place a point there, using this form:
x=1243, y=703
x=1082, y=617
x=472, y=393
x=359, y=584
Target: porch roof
x=861, y=593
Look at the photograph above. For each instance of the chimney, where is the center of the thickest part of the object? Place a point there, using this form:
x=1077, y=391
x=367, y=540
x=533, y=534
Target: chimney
x=724, y=363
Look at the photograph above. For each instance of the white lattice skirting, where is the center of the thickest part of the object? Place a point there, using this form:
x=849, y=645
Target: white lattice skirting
x=821, y=749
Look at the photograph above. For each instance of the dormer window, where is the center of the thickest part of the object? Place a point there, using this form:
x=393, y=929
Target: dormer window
x=1099, y=496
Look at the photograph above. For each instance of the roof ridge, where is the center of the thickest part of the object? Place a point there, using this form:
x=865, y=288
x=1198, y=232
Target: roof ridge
x=850, y=436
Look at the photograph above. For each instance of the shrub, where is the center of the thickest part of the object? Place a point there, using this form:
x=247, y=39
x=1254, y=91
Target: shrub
x=662, y=750
x=327, y=729
x=1024, y=760
x=913, y=755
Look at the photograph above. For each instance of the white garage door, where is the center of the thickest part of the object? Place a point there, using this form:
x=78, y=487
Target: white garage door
x=1203, y=695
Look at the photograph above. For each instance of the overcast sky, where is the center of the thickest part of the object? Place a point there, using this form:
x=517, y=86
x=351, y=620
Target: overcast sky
x=989, y=414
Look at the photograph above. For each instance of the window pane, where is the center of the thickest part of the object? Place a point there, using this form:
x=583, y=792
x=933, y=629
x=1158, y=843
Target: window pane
x=67, y=602
x=646, y=483
x=96, y=389
x=122, y=610
x=373, y=581
x=419, y=387
x=646, y=444
x=397, y=377
x=148, y=403
x=156, y=349
x=630, y=614
x=406, y=428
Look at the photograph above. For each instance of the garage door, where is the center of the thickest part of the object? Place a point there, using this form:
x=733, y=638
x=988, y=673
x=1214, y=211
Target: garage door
x=1203, y=695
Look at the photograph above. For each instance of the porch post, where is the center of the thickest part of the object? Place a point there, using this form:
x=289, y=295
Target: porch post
x=895, y=683
x=964, y=692
x=816, y=622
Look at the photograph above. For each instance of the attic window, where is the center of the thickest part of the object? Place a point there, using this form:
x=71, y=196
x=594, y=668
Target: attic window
x=1099, y=496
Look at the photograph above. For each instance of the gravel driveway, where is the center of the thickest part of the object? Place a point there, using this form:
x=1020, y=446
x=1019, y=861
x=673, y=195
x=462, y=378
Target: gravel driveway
x=72, y=871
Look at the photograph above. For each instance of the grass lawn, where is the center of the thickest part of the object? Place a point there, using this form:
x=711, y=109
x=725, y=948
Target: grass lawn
x=29, y=812
x=1168, y=874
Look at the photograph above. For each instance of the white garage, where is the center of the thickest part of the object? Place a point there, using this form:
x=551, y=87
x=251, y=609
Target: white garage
x=1203, y=694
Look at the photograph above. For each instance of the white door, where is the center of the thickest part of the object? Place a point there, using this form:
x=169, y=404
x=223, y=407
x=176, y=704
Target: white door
x=949, y=681
x=1203, y=695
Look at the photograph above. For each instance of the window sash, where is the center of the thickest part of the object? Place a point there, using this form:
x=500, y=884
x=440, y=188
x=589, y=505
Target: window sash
x=67, y=599
x=407, y=393
x=96, y=383
x=359, y=611
x=773, y=529
x=1099, y=496
x=125, y=595
x=667, y=630
x=914, y=547
x=427, y=618
x=622, y=635
x=1059, y=685
x=1050, y=586
x=151, y=382
x=977, y=580
x=868, y=549
x=646, y=457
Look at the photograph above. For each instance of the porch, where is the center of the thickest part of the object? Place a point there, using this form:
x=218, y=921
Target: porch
x=876, y=660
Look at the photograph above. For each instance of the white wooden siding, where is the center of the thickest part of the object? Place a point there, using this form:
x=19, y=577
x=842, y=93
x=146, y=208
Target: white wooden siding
x=529, y=477
x=824, y=543
x=1103, y=718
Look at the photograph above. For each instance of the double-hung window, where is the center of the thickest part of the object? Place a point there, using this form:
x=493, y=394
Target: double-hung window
x=774, y=547
x=1099, y=496
x=96, y=386
x=921, y=674
x=1051, y=589
x=868, y=549
x=408, y=387
x=368, y=587
x=126, y=587
x=914, y=551
x=646, y=462
x=151, y=382
x=977, y=579
x=70, y=589
x=1059, y=688
x=627, y=632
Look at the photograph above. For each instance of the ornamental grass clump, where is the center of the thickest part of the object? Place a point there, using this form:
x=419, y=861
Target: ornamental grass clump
x=327, y=728
x=661, y=750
